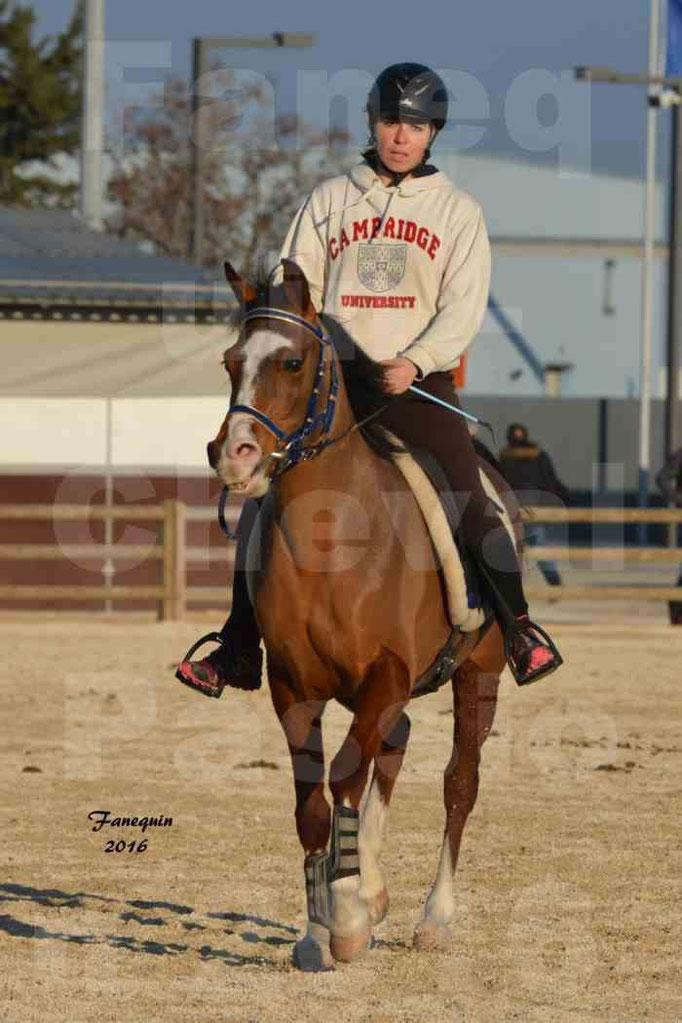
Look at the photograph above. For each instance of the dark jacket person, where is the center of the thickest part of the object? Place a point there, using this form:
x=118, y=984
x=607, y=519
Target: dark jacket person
x=669, y=478
x=529, y=469
x=669, y=481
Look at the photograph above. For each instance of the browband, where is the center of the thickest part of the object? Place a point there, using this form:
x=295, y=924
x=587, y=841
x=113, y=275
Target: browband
x=269, y=313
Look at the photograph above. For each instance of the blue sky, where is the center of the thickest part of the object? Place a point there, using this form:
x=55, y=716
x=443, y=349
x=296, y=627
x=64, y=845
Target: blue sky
x=496, y=41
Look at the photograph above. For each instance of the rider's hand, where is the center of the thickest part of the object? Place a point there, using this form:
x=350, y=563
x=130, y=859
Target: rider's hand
x=398, y=374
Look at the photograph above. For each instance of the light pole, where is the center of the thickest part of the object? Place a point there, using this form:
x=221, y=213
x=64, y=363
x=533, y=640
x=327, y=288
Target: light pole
x=200, y=48
x=91, y=116
x=664, y=92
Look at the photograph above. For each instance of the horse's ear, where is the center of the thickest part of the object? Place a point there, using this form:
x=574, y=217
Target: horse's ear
x=242, y=288
x=296, y=287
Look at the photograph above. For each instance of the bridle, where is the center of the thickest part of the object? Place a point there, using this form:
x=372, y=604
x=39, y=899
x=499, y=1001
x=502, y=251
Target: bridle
x=291, y=447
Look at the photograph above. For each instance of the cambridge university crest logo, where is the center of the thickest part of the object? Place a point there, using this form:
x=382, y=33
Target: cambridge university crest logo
x=381, y=267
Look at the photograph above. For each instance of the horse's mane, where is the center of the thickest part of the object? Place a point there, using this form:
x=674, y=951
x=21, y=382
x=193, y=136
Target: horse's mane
x=364, y=380
x=362, y=376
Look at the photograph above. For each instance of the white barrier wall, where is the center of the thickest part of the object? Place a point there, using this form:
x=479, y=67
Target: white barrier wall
x=160, y=433
x=167, y=390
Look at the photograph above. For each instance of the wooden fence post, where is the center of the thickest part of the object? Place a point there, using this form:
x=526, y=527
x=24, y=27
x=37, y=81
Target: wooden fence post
x=174, y=603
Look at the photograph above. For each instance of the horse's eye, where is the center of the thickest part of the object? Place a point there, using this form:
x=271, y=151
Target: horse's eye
x=293, y=365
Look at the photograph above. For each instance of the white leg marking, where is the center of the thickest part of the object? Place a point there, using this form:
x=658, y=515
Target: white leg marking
x=370, y=839
x=348, y=911
x=440, y=905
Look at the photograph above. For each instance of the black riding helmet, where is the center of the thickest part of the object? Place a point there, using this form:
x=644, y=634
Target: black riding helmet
x=409, y=92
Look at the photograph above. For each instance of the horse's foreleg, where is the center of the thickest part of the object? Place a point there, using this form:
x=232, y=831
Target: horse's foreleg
x=387, y=766
x=378, y=709
x=475, y=697
x=313, y=823
x=303, y=728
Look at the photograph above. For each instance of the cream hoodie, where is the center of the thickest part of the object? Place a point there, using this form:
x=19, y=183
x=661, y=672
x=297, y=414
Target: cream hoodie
x=405, y=270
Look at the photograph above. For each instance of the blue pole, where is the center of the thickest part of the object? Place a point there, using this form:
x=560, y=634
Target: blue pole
x=446, y=404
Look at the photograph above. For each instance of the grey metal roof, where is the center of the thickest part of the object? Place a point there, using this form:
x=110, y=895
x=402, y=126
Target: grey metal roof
x=50, y=258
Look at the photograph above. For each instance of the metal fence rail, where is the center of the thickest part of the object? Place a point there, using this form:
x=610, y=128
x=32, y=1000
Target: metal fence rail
x=618, y=554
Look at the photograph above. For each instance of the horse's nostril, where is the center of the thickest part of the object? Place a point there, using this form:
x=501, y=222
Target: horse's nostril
x=245, y=449
x=210, y=451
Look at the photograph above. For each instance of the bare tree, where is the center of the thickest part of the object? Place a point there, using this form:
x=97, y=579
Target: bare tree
x=257, y=169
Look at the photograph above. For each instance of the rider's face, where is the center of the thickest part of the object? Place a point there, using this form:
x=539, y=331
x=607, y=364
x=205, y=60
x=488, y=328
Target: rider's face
x=401, y=144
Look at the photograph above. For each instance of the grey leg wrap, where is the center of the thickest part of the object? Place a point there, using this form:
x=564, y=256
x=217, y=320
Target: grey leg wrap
x=317, y=887
x=342, y=861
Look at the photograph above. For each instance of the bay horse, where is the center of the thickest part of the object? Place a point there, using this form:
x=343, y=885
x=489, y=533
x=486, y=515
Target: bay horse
x=344, y=613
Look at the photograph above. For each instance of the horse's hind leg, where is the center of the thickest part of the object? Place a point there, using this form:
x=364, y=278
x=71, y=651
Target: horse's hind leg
x=387, y=764
x=475, y=698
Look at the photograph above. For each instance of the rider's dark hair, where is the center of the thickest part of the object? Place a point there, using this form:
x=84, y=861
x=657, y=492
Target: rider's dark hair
x=517, y=433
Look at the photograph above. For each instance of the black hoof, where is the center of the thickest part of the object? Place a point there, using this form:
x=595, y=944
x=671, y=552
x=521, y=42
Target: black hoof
x=309, y=957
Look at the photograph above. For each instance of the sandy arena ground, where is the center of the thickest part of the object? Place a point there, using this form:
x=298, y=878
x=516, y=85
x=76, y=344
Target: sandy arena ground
x=569, y=880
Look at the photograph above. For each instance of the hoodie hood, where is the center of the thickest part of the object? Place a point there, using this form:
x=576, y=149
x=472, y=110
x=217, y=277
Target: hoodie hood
x=366, y=179
x=380, y=196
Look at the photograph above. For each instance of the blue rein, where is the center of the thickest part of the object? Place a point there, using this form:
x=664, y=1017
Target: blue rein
x=293, y=447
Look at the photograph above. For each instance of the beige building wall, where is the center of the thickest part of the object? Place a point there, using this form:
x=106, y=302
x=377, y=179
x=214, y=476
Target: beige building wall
x=162, y=384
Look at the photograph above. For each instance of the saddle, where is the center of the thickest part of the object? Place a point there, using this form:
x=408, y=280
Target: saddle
x=467, y=606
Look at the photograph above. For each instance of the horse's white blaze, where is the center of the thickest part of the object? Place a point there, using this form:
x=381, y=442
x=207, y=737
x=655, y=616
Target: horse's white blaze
x=262, y=344
x=370, y=840
x=440, y=905
x=348, y=911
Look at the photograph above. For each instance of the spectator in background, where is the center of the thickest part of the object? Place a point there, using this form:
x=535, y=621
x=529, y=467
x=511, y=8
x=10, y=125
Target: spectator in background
x=669, y=482
x=529, y=471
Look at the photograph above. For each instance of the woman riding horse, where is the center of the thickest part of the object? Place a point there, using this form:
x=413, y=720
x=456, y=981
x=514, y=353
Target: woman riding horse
x=400, y=259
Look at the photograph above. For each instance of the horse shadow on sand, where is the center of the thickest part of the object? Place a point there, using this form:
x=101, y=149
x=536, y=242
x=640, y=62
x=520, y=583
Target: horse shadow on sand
x=147, y=913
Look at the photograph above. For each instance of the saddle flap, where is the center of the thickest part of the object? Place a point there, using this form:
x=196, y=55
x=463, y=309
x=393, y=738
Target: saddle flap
x=466, y=604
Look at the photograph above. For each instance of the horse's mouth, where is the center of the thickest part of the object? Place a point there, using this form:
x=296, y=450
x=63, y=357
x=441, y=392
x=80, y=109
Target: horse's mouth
x=253, y=485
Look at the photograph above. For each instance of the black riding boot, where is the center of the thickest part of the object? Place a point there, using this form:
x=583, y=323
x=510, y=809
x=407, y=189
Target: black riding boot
x=531, y=653
x=238, y=660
